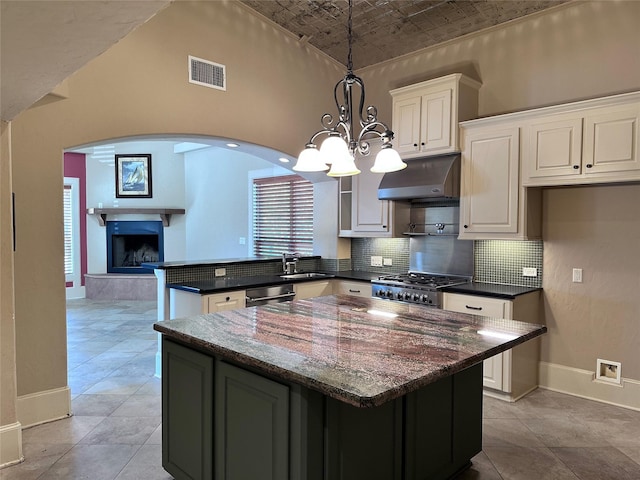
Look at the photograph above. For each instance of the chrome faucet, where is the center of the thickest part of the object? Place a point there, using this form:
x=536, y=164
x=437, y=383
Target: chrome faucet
x=289, y=263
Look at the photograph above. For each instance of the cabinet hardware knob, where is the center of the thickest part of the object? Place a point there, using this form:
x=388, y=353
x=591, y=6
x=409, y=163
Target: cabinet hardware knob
x=576, y=167
x=466, y=226
x=422, y=144
x=415, y=144
x=228, y=298
x=589, y=165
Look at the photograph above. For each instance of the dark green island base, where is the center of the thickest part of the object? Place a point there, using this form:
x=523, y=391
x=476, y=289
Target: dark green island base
x=330, y=388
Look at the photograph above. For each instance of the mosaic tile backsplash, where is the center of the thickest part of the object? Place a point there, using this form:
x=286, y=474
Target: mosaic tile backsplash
x=495, y=261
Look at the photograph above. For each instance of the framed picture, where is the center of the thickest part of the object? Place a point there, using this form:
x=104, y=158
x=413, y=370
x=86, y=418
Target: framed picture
x=133, y=176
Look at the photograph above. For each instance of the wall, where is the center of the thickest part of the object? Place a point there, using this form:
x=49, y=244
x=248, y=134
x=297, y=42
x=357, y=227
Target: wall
x=139, y=87
x=218, y=201
x=572, y=52
x=168, y=190
x=596, y=229
x=10, y=428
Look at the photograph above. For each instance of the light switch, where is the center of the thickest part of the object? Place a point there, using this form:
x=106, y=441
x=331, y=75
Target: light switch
x=577, y=275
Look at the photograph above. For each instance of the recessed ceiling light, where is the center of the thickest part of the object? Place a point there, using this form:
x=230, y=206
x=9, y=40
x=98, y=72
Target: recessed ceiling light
x=232, y=145
x=284, y=160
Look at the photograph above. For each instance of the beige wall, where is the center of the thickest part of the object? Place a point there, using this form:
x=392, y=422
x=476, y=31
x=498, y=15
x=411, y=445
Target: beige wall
x=276, y=92
x=7, y=330
x=597, y=229
x=571, y=52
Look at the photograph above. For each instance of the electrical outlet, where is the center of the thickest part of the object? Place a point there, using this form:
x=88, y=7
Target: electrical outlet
x=376, y=261
x=220, y=272
x=529, y=272
x=577, y=275
x=242, y=241
x=387, y=262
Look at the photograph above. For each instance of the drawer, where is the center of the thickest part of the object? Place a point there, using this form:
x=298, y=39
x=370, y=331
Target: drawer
x=489, y=307
x=359, y=289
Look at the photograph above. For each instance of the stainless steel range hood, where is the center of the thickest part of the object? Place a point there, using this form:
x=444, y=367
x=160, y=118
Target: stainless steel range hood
x=424, y=180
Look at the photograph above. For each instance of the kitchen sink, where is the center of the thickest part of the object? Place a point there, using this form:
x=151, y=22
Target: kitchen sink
x=305, y=275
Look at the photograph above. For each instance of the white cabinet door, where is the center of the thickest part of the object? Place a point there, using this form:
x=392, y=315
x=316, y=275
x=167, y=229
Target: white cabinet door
x=611, y=138
x=406, y=125
x=554, y=148
x=220, y=302
x=369, y=214
x=312, y=289
x=435, y=128
x=490, y=182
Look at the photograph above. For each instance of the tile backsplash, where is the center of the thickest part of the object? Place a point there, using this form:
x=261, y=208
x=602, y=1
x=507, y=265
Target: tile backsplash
x=495, y=261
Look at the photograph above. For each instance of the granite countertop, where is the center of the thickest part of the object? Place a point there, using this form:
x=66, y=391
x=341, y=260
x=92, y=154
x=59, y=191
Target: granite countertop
x=223, y=284
x=495, y=290
x=337, y=346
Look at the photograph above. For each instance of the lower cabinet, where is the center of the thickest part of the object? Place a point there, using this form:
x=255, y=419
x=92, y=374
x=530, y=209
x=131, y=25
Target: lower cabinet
x=219, y=302
x=224, y=422
x=251, y=417
x=187, y=412
x=514, y=373
x=185, y=304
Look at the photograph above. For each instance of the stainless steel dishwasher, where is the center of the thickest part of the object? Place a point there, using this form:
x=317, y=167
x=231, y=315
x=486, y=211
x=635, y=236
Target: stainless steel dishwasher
x=272, y=294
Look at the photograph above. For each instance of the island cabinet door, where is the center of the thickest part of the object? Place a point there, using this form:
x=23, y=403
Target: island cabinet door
x=251, y=426
x=187, y=412
x=363, y=443
x=443, y=426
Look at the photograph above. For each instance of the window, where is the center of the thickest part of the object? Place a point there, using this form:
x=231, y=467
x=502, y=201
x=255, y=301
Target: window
x=282, y=216
x=68, y=230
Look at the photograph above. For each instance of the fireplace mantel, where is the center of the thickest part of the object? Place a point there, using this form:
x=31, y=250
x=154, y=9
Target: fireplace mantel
x=165, y=213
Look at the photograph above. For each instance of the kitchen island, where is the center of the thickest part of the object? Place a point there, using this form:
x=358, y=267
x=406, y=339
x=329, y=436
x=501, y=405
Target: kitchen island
x=335, y=387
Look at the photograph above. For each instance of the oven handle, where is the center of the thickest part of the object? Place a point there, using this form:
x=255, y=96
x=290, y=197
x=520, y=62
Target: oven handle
x=272, y=297
x=473, y=308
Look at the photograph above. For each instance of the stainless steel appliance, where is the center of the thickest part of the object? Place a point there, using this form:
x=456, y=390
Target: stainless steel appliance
x=272, y=294
x=436, y=258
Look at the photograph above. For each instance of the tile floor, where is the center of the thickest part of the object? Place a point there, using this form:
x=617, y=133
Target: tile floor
x=115, y=431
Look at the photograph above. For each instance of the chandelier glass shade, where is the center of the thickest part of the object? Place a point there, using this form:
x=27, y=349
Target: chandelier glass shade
x=341, y=145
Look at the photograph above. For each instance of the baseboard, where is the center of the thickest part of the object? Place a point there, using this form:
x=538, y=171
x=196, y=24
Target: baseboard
x=11, y=444
x=43, y=407
x=582, y=383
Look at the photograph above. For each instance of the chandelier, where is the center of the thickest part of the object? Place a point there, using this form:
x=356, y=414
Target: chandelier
x=341, y=144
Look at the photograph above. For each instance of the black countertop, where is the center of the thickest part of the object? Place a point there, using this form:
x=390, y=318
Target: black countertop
x=495, y=290
x=222, y=261
x=223, y=284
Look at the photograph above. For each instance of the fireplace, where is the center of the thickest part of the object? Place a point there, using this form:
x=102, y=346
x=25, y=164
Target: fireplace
x=131, y=243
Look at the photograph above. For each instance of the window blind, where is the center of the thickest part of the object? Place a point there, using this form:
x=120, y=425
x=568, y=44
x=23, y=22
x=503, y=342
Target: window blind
x=68, y=230
x=282, y=216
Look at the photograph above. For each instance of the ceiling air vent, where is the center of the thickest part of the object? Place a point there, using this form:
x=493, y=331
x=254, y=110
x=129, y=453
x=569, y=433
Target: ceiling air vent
x=206, y=73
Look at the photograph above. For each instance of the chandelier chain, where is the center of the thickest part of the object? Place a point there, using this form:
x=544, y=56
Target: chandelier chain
x=350, y=38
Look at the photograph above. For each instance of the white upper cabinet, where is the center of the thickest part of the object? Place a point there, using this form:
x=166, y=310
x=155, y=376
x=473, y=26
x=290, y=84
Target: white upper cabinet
x=426, y=114
x=492, y=202
x=594, y=141
x=361, y=213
